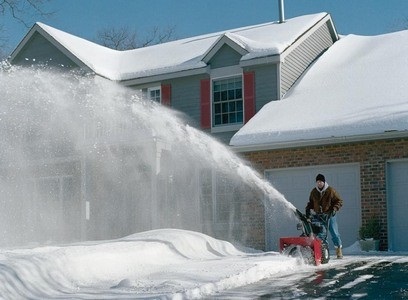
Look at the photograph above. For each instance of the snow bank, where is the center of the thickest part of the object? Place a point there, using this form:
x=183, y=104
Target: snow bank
x=171, y=262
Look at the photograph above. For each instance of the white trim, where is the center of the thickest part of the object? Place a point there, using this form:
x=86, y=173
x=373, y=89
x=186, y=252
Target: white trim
x=221, y=74
x=226, y=128
x=320, y=142
x=304, y=36
x=279, y=81
x=37, y=28
x=221, y=41
x=226, y=72
x=266, y=60
x=154, y=88
x=166, y=76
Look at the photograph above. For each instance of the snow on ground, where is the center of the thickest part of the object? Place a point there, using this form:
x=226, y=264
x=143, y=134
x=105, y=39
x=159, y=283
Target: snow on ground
x=160, y=263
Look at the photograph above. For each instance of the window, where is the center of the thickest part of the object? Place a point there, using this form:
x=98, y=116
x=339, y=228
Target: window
x=154, y=94
x=227, y=101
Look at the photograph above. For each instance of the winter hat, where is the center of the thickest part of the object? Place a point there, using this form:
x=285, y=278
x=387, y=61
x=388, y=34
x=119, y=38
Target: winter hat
x=320, y=177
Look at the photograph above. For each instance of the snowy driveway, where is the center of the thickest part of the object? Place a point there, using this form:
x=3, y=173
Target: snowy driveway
x=354, y=277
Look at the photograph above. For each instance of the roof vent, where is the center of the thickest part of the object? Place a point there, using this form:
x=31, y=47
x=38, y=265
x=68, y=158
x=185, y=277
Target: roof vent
x=281, y=12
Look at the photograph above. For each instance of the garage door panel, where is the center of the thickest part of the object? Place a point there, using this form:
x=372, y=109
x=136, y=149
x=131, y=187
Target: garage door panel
x=296, y=184
x=397, y=197
x=347, y=179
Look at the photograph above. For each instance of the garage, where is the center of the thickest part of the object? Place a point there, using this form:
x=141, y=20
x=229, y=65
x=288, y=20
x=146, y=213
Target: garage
x=296, y=183
x=397, y=187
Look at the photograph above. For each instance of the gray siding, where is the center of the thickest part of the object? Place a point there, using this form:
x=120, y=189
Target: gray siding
x=301, y=57
x=265, y=84
x=40, y=51
x=225, y=57
x=185, y=97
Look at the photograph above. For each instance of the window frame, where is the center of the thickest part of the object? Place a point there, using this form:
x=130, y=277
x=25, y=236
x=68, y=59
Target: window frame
x=225, y=74
x=154, y=88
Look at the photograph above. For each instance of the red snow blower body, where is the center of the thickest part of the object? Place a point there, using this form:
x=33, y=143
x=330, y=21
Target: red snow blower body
x=311, y=246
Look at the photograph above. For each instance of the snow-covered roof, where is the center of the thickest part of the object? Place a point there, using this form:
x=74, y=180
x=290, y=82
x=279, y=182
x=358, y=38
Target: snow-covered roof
x=356, y=89
x=185, y=54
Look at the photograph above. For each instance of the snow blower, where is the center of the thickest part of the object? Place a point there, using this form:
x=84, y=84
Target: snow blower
x=312, y=246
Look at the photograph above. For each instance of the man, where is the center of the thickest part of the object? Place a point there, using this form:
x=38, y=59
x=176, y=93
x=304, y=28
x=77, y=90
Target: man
x=324, y=199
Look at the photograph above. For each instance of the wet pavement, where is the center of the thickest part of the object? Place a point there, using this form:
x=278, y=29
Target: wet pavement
x=377, y=277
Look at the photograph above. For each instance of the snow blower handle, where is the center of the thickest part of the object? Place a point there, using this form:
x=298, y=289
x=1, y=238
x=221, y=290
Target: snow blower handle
x=306, y=223
x=301, y=216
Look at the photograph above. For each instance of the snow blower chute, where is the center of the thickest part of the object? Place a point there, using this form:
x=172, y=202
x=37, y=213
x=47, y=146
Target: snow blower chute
x=312, y=245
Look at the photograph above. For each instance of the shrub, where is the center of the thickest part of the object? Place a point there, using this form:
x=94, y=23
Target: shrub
x=370, y=230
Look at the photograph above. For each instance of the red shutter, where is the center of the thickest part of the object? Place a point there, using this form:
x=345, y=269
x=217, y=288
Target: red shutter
x=166, y=94
x=205, y=103
x=249, y=95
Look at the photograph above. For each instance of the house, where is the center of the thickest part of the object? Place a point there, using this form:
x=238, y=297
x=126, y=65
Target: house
x=220, y=81
x=290, y=97
x=262, y=62
x=348, y=119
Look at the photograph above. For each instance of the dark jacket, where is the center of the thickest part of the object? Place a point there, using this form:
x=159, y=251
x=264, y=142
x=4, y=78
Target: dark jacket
x=325, y=201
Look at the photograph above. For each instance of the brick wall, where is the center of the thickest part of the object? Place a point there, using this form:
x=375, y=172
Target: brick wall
x=371, y=155
x=253, y=222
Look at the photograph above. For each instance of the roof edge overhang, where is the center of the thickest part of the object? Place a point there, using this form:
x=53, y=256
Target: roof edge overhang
x=221, y=41
x=278, y=58
x=321, y=142
x=309, y=32
x=271, y=59
x=165, y=76
x=24, y=41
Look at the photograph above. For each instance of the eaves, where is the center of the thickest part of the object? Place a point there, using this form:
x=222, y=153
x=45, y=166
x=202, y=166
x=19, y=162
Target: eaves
x=320, y=142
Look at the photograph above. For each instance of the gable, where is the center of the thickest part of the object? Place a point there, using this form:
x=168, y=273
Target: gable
x=250, y=45
x=298, y=59
x=41, y=51
x=225, y=57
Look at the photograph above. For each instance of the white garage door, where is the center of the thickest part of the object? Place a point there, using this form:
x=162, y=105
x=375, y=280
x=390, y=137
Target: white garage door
x=397, y=187
x=296, y=183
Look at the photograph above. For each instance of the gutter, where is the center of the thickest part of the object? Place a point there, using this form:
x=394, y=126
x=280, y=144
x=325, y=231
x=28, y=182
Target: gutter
x=320, y=142
x=166, y=76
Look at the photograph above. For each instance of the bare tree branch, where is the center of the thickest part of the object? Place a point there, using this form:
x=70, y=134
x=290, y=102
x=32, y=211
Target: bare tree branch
x=117, y=38
x=24, y=10
x=3, y=42
x=157, y=36
x=124, y=38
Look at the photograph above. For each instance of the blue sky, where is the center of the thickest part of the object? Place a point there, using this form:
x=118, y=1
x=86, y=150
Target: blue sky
x=194, y=17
